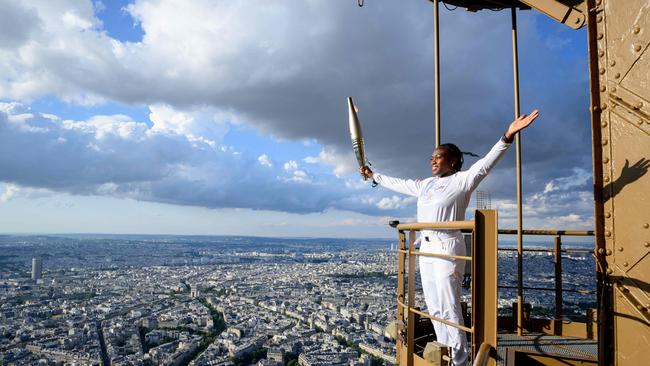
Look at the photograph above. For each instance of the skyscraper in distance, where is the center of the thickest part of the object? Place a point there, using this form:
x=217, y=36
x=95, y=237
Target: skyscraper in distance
x=37, y=268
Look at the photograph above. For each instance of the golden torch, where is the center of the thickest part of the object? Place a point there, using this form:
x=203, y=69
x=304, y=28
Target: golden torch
x=355, y=134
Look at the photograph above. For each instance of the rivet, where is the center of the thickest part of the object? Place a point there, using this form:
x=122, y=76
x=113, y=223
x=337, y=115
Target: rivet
x=620, y=249
x=640, y=122
x=646, y=244
x=625, y=289
x=601, y=53
x=637, y=48
x=606, y=160
x=608, y=215
x=625, y=264
x=609, y=271
x=606, y=179
x=645, y=226
x=608, y=252
x=617, y=75
x=636, y=29
x=596, y=108
x=601, y=250
x=604, y=142
x=612, y=63
x=608, y=233
x=599, y=18
x=639, y=307
x=602, y=88
x=603, y=106
x=601, y=70
x=600, y=36
x=604, y=124
x=598, y=2
x=639, y=105
x=613, y=88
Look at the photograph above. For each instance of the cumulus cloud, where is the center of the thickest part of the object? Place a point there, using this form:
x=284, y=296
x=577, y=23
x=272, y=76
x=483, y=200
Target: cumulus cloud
x=283, y=68
x=118, y=157
x=265, y=160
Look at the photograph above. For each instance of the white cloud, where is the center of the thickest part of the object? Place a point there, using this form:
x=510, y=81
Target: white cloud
x=579, y=178
x=10, y=191
x=290, y=165
x=394, y=202
x=117, y=157
x=265, y=160
x=343, y=163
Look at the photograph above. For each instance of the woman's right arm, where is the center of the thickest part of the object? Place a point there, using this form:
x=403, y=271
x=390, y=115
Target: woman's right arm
x=406, y=186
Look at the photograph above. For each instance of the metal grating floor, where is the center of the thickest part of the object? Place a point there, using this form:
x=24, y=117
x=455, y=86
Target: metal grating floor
x=546, y=344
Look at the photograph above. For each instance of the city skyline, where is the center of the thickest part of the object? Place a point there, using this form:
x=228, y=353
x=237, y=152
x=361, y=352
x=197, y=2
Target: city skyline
x=229, y=118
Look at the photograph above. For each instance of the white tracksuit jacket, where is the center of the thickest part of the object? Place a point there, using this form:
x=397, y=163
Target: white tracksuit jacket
x=445, y=199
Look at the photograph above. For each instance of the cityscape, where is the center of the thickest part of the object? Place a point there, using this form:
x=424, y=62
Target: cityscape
x=191, y=300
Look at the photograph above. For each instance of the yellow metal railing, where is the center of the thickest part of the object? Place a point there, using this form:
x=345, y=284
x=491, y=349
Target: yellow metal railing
x=557, y=262
x=484, y=286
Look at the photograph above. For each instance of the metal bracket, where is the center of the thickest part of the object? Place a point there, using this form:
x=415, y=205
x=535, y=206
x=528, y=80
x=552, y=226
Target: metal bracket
x=571, y=16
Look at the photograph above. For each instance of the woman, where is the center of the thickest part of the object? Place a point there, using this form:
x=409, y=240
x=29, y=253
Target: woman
x=444, y=197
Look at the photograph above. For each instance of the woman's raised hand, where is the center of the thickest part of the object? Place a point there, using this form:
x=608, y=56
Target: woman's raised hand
x=520, y=123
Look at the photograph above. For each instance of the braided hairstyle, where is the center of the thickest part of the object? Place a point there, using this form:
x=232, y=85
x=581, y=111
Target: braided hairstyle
x=454, y=152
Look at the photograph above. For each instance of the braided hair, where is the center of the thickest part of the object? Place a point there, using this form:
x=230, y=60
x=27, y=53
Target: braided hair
x=454, y=152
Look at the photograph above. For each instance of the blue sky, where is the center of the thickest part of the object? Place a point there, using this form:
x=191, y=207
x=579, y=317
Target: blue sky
x=229, y=117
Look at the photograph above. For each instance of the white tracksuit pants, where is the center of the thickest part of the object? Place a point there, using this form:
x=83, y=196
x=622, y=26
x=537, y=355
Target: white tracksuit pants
x=441, y=282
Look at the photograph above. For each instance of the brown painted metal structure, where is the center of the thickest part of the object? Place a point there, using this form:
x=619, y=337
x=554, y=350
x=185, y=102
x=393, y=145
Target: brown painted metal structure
x=484, y=287
x=619, y=61
x=619, y=36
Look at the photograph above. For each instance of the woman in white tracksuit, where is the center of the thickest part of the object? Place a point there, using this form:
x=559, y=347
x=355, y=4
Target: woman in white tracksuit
x=444, y=197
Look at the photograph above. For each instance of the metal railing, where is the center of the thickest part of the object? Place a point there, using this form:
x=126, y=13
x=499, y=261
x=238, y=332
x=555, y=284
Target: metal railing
x=557, y=251
x=484, y=287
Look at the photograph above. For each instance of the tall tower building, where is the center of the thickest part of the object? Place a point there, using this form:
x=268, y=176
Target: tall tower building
x=37, y=268
x=483, y=200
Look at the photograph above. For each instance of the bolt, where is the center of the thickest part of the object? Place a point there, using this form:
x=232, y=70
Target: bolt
x=601, y=70
x=646, y=244
x=606, y=179
x=603, y=106
x=607, y=214
x=620, y=249
x=608, y=233
x=625, y=264
x=604, y=124
x=645, y=226
x=606, y=160
x=608, y=252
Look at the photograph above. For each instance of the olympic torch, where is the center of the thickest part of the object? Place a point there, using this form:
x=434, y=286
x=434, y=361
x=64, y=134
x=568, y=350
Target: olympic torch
x=355, y=134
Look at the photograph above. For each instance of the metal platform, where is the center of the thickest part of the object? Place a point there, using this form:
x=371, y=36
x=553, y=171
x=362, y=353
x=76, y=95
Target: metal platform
x=544, y=345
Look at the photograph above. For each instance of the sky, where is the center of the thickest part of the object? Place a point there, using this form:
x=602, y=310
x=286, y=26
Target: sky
x=230, y=118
